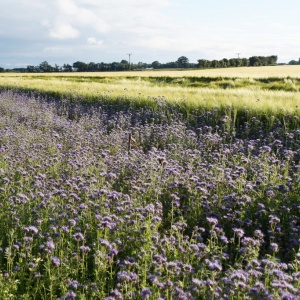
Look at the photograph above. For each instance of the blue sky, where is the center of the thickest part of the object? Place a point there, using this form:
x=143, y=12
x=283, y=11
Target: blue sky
x=64, y=31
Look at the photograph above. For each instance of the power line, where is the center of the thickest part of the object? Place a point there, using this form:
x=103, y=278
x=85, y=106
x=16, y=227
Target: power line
x=238, y=54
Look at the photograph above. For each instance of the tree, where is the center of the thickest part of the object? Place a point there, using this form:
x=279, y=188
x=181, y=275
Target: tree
x=115, y=66
x=45, y=67
x=156, y=65
x=183, y=62
x=254, y=61
x=2, y=70
x=224, y=63
x=67, y=68
x=215, y=64
x=245, y=62
x=272, y=60
x=57, y=68
x=293, y=62
x=92, y=67
x=171, y=65
x=80, y=66
x=124, y=65
x=232, y=62
x=204, y=63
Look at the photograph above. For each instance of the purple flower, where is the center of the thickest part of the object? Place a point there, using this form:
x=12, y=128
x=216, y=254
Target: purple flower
x=55, y=261
x=124, y=276
x=78, y=236
x=238, y=232
x=72, y=222
x=31, y=229
x=74, y=284
x=212, y=221
x=274, y=247
x=50, y=245
x=273, y=219
x=145, y=293
x=70, y=296
x=31, y=265
x=197, y=282
x=214, y=265
x=116, y=295
x=85, y=249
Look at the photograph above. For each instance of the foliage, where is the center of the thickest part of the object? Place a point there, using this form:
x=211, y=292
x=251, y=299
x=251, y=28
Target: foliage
x=80, y=66
x=263, y=60
x=294, y=62
x=238, y=62
x=181, y=62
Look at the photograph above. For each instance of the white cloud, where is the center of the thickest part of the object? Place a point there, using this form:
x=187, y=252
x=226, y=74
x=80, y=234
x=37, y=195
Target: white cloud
x=67, y=7
x=93, y=42
x=63, y=31
x=81, y=17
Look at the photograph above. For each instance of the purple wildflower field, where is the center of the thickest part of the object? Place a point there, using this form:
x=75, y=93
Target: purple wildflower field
x=103, y=202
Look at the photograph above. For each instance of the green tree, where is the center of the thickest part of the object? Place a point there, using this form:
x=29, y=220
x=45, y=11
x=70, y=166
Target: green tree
x=156, y=65
x=45, y=67
x=204, y=63
x=67, y=68
x=245, y=62
x=224, y=63
x=232, y=62
x=124, y=65
x=272, y=60
x=30, y=69
x=80, y=66
x=183, y=62
x=215, y=64
x=254, y=61
x=293, y=62
x=92, y=67
x=57, y=68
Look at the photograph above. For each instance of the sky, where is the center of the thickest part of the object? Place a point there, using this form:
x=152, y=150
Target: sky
x=66, y=31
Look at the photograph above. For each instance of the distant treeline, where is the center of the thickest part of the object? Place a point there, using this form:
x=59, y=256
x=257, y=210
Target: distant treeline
x=124, y=65
x=294, y=62
x=79, y=66
x=238, y=62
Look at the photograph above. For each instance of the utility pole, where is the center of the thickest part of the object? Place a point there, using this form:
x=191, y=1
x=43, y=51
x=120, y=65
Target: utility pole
x=129, y=54
x=238, y=54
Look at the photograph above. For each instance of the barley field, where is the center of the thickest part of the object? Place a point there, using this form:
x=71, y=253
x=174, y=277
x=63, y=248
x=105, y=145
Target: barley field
x=259, y=90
